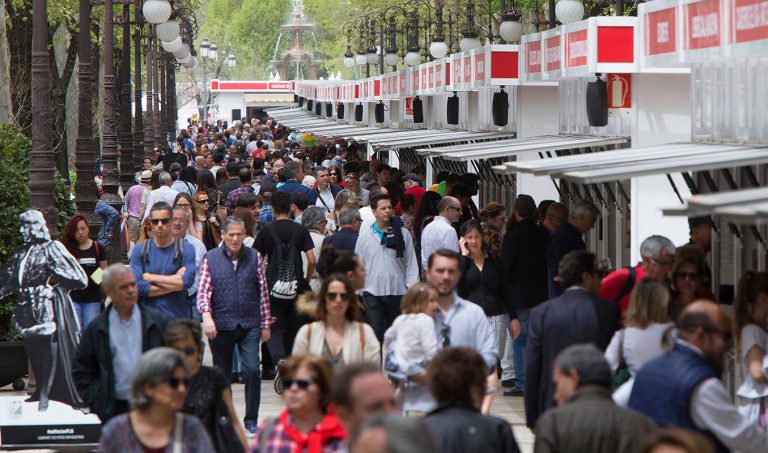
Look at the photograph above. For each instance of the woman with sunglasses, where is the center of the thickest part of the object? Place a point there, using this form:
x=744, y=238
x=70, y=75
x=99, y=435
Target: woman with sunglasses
x=337, y=335
x=307, y=424
x=185, y=201
x=688, y=279
x=208, y=386
x=334, y=176
x=208, y=222
x=155, y=422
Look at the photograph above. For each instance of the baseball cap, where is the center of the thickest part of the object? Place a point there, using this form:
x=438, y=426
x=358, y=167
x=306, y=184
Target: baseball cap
x=411, y=177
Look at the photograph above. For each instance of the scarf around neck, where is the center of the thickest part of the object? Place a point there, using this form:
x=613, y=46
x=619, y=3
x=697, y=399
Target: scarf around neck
x=329, y=428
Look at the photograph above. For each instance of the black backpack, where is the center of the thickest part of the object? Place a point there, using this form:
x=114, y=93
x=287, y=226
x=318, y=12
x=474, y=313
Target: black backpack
x=284, y=269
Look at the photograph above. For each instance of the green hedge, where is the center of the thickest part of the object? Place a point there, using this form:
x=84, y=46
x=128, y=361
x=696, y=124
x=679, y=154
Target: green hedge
x=14, y=176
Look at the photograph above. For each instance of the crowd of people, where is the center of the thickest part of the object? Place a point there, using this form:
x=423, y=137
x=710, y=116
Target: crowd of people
x=384, y=309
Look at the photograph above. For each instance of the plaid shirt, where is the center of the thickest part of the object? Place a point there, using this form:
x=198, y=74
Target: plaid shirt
x=266, y=215
x=279, y=442
x=234, y=195
x=205, y=292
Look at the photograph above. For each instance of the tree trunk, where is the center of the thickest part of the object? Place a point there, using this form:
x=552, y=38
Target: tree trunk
x=19, y=35
x=59, y=84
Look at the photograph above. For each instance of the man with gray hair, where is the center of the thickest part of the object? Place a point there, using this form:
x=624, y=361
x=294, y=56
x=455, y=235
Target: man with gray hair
x=113, y=343
x=567, y=238
x=294, y=176
x=587, y=420
x=162, y=194
x=658, y=255
x=386, y=433
x=234, y=302
x=325, y=192
x=440, y=234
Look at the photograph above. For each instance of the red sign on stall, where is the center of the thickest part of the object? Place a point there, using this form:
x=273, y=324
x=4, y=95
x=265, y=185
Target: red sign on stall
x=619, y=94
x=702, y=24
x=480, y=66
x=552, y=57
x=576, y=49
x=661, y=31
x=749, y=20
x=533, y=57
x=466, y=69
x=409, y=108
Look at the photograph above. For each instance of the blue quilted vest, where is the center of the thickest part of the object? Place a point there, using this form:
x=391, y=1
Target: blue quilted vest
x=236, y=296
x=664, y=386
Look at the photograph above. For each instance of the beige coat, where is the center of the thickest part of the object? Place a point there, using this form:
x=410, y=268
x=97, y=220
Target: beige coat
x=360, y=343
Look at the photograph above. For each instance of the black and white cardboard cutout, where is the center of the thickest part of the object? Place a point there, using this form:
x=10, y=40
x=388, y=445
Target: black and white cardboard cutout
x=41, y=273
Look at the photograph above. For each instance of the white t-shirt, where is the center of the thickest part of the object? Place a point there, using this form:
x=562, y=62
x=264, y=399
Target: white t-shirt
x=414, y=339
x=751, y=335
x=640, y=346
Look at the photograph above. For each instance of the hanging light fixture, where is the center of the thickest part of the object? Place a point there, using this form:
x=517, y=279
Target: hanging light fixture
x=438, y=48
x=349, y=57
x=412, y=58
x=391, y=58
x=569, y=11
x=231, y=61
x=511, y=29
x=182, y=52
x=156, y=11
x=168, y=30
x=469, y=34
x=213, y=53
x=413, y=55
x=205, y=46
x=361, y=58
x=172, y=46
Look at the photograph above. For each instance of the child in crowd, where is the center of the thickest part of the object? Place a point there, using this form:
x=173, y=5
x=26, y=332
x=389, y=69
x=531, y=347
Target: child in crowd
x=751, y=311
x=411, y=342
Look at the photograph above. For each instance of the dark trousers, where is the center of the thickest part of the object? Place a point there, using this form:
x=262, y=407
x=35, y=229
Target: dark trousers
x=286, y=326
x=248, y=343
x=380, y=312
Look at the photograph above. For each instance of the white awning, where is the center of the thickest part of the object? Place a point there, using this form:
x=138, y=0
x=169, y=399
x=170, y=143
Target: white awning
x=592, y=168
x=267, y=98
x=442, y=139
x=746, y=205
x=512, y=147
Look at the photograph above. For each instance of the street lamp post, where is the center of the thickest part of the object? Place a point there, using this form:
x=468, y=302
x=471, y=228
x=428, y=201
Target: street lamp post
x=209, y=53
x=109, y=133
x=138, y=122
x=85, y=152
x=156, y=97
x=126, y=134
x=149, y=129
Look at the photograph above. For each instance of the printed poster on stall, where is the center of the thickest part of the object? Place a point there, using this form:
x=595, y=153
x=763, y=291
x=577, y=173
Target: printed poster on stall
x=408, y=109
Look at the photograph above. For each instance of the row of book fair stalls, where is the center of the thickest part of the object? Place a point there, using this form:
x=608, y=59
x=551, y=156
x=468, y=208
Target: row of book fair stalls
x=643, y=115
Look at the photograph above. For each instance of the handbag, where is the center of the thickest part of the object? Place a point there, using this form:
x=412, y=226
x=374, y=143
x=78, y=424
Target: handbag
x=225, y=438
x=622, y=373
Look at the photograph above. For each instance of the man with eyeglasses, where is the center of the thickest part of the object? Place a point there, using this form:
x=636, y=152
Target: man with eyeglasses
x=577, y=316
x=164, y=266
x=458, y=322
x=234, y=303
x=113, y=343
x=682, y=388
x=658, y=256
x=440, y=234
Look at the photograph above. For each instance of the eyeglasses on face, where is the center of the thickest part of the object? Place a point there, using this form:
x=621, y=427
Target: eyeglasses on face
x=163, y=220
x=183, y=205
x=188, y=351
x=302, y=383
x=203, y=201
x=337, y=296
x=175, y=382
x=687, y=275
x=663, y=263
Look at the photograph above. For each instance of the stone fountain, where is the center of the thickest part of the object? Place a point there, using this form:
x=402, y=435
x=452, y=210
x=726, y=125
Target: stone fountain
x=297, y=56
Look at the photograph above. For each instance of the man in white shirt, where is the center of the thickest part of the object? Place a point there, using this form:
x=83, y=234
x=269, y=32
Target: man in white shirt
x=386, y=249
x=682, y=387
x=366, y=212
x=164, y=193
x=325, y=191
x=440, y=234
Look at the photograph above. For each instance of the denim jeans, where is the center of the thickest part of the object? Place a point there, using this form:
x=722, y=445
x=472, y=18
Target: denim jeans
x=518, y=348
x=248, y=342
x=380, y=312
x=87, y=312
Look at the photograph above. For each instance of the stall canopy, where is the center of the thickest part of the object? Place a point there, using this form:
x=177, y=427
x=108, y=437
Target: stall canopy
x=506, y=148
x=380, y=138
x=592, y=168
x=746, y=205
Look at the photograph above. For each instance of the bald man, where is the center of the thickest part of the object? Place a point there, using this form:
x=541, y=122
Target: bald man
x=682, y=387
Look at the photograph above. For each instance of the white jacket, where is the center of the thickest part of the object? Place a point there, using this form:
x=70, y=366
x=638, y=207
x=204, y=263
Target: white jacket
x=360, y=343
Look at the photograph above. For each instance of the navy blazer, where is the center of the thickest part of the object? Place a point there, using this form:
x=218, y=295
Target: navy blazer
x=334, y=191
x=344, y=239
x=575, y=317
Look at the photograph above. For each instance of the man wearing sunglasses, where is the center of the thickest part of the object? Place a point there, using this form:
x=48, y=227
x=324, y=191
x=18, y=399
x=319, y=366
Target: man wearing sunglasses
x=164, y=266
x=682, y=388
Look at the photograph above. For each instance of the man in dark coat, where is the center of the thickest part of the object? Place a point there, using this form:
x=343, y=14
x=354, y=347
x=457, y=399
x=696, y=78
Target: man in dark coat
x=456, y=378
x=578, y=316
x=586, y=419
x=523, y=255
x=567, y=238
x=113, y=343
